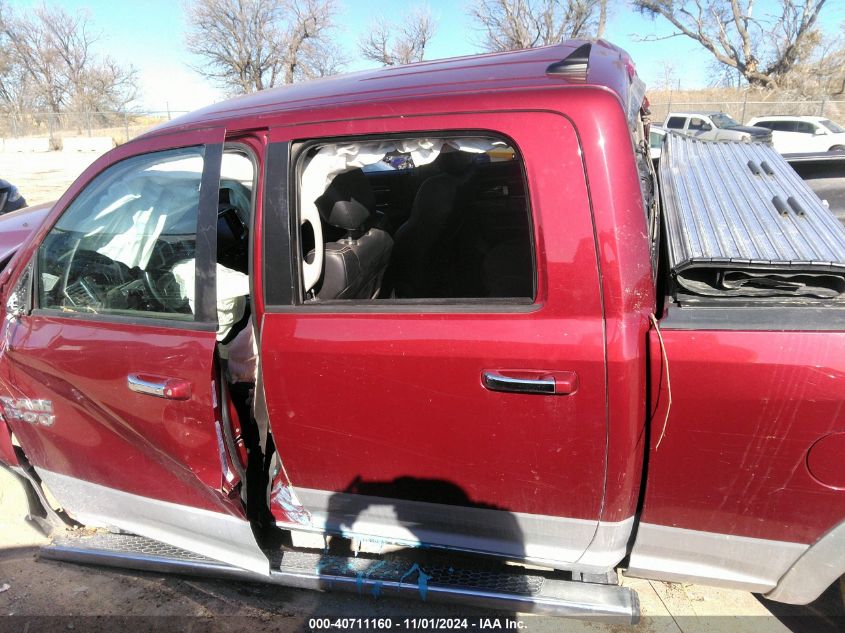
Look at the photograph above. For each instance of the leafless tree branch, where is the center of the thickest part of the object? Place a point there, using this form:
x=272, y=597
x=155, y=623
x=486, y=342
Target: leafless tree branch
x=391, y=44
x=250, y=45
x=515, y=24
x=48, y=61
x=763, y=51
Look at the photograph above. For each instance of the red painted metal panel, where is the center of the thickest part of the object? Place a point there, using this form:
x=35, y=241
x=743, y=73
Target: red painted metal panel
x=627, y=288
x=7, y=450
x=107, y=434
x=826, y=461
x=746, y=409
x=386, y=395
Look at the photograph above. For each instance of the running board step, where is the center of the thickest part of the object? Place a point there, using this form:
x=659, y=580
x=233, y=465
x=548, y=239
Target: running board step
x=492, y=586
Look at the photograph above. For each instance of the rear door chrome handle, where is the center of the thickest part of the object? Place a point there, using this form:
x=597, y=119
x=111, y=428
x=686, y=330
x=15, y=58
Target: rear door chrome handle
x=158, y=386
x=548, y=383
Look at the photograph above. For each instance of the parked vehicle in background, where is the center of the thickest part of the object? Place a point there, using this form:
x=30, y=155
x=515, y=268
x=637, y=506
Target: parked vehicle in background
x=714, y=126
x=656, y=136
x=467, y=353
x=802, y=134
x=10, y=198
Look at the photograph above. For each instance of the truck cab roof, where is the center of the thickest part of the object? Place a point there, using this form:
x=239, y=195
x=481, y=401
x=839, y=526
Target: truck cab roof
x=575, y=63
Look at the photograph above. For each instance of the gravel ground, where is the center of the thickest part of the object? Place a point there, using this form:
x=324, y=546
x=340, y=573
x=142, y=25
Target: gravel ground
x=43, y=176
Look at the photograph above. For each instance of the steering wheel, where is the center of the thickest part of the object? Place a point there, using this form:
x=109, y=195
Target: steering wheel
x=164, y=290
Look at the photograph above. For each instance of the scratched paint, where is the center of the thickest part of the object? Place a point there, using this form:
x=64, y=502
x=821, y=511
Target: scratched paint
x=285, y=497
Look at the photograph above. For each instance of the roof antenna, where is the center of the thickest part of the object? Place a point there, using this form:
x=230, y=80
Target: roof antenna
x=574, y=65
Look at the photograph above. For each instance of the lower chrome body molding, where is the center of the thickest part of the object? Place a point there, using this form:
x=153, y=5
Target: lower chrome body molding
x=500, y=587
x=219, y=536
x=550, y=541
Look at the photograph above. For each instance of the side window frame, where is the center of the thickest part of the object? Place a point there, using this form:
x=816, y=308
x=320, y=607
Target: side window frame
x=699, y=123
x=286, y=292
x=205, y=292
x=675, y=127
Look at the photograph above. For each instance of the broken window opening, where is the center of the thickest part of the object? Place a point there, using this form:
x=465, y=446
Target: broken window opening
x=419, y=218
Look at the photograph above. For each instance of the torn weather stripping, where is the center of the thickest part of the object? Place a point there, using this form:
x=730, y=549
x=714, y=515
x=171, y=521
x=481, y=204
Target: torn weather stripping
x=741, y=223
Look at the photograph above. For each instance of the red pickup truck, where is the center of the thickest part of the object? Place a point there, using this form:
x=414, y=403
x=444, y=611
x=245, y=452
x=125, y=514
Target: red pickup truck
x=436, y=316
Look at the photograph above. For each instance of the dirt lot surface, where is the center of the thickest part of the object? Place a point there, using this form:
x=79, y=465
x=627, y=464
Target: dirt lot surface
x=43, y=595
x=43, y=176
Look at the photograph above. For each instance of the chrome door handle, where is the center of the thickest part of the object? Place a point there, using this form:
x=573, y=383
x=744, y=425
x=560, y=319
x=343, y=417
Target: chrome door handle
x=495, y=381
x=548, y=383
x=158, y=386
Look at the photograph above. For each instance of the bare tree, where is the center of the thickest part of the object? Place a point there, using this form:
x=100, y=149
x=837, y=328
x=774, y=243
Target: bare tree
x=250, y=45
x=602, y=18
x=513, y=24
x=764, y=49
x=391, y=44
x=823, y=74
x=49, y=62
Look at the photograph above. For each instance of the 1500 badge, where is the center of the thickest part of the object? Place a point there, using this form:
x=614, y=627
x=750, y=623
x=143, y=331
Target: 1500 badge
x=32, y=411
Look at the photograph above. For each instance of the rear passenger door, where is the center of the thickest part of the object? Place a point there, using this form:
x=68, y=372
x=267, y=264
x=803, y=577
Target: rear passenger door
x=474, y=422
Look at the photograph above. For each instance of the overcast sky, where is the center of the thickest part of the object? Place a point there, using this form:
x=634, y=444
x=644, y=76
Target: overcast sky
x=150, y=35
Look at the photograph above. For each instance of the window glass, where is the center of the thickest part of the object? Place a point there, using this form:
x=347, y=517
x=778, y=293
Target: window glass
x=676, y=122
x=833, y=127
x=655, y=139
x=783, y=126
x=803, y=127
x=766, y=124
x=696, y=123
x=126, y=245
x=420, y=218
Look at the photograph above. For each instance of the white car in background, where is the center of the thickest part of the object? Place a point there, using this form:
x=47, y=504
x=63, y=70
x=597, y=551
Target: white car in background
x=801, y=134
x=714, y=126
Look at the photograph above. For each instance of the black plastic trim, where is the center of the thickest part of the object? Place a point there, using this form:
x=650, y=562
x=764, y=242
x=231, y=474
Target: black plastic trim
x=174, y=324
x=276, y=251
x=411, y=306
x=206, y=255
x=756, y=318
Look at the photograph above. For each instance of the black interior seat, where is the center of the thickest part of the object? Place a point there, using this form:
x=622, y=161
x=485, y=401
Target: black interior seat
x=424, y=252
x=354, y=265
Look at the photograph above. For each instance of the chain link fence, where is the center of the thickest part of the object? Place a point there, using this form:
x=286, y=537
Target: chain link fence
x=744, y=109
x=51, y=129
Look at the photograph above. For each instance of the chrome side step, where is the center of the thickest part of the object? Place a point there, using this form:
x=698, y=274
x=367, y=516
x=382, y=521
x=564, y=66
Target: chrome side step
x=491, y=586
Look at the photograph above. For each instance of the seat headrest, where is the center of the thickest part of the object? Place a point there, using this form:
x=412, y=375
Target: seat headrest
x=348, y=201
x=455, y=163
